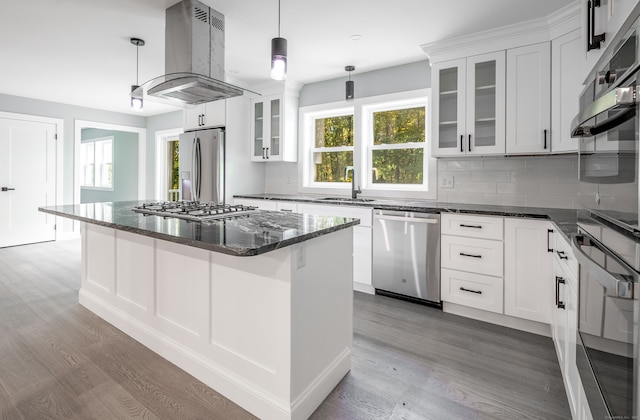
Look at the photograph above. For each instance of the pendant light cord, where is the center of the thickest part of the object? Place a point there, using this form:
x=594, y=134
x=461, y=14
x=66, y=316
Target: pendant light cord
x=137, y=63
x=278, y=18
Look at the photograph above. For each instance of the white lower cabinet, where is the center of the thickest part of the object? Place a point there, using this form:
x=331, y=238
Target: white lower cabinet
x=527, y=269
x=261, y=204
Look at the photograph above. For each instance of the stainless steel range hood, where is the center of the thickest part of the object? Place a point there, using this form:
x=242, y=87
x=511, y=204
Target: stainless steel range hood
x=194, y=58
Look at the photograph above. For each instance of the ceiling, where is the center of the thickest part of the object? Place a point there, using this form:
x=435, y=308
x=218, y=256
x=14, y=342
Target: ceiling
x=78, y=51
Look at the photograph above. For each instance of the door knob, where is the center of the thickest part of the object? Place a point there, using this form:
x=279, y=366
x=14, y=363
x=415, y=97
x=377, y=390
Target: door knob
x=8, y=189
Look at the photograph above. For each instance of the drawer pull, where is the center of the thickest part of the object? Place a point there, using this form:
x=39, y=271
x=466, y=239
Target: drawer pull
x=477, y=292
x=559, y=303
x=470, y=255
x=471, y=226
x=291, y=210
x=562, y=255
x=549, y=232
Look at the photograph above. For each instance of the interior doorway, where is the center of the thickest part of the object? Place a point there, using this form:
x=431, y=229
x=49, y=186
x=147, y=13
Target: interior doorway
x=167, y=169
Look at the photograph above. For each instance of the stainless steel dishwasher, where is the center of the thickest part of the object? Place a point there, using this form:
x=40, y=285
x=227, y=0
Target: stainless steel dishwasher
x=406, y=255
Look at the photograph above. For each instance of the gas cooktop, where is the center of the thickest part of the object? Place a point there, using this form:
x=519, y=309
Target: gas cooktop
x=194, y=211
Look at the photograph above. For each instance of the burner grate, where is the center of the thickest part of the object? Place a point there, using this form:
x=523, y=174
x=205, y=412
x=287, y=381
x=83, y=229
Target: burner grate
x=194, y=210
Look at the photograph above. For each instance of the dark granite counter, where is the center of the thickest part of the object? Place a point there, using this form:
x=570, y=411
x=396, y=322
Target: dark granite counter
x=564, y=219
x=254, y=234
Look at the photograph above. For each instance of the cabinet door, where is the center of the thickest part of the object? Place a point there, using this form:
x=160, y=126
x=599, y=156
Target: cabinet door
x=274, y=144
x=448, y=113
x=528, y=99
x=527, y=270
x=566, y=62
x=214, y=114
x=485, y=104
x=193, y=117
x=258, y=152
x=362, y=257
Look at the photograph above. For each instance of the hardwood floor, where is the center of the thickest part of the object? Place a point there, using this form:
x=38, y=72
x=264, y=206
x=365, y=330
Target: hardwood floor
x=59, y=361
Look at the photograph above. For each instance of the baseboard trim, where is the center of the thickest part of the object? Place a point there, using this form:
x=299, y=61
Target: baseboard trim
x=364, y=288
x=242, y=393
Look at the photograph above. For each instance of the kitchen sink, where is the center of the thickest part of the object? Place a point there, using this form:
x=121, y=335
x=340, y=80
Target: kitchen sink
x=346, y=199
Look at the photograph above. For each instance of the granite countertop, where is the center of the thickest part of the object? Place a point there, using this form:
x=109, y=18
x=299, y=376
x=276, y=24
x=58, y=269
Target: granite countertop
x=260, y=232
x=564, y=219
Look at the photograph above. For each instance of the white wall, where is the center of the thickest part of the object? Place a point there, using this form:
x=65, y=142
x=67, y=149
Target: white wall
x=68, y=113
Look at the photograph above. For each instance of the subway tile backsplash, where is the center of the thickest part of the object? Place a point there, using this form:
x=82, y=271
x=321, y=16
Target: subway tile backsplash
x=532, y=181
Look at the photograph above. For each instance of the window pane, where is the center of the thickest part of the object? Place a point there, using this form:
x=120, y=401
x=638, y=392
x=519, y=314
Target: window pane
x=334, y=131
x=399, y=126
x=332, y=166
x=398, y=166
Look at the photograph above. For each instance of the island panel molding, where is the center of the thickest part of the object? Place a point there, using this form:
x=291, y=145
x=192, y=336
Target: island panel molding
x=271, y=332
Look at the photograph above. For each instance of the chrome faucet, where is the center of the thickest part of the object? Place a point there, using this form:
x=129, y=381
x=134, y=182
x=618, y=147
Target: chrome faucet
x=354, y=191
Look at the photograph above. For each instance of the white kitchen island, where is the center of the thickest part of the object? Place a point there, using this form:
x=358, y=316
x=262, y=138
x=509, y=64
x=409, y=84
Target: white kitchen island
x=271, y=331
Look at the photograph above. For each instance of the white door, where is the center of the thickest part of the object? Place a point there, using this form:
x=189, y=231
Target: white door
x=27, y=181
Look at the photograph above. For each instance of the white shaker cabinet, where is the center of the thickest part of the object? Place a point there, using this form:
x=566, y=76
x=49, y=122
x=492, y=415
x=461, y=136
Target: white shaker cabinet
x=274, y=124
x=468, y=117
x=208, y=115
x=528, y=99
x=567, y=60
x=527, y=269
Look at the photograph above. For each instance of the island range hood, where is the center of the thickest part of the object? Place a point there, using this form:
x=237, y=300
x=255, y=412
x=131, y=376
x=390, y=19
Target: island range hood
x=194, y=58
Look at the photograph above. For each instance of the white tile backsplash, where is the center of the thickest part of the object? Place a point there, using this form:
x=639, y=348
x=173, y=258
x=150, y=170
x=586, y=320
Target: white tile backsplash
x=533, y=181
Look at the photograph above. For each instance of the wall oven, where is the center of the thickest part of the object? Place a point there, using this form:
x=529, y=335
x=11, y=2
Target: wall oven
x=608, y=242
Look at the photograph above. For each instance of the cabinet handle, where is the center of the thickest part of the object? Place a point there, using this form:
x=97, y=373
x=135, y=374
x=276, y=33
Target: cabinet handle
x=289, y=210
x=593, y=40
x=469, y=143
x=545, y=139
x=203, y=120
x=8, y=189
x=477, y=292
x=471, y=226
x=549, y=232
x=264, y=151
x=461, y=143
x=562, y=255
x=559, y=303
x=470, y=255
x=267, y=153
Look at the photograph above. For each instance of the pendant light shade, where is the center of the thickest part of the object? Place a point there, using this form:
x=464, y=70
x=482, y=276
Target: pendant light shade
x=278, y=58
x=349, y=86
x=136, y=100
x=278, y=54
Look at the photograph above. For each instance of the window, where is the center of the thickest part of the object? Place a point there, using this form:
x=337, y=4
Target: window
x=384, y=140
x=97, y=163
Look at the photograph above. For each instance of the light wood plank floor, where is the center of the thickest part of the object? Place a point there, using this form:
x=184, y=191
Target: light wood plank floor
x=59, y=361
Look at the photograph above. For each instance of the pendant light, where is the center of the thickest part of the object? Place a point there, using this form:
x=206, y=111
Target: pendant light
x=350, y=86
x=136, y=101
x=278, y=54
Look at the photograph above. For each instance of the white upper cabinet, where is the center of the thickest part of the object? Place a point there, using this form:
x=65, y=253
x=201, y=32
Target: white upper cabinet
x=208, y=115
x=528, y=99
x=469, y=106
x=567, y=61
x=274, y=127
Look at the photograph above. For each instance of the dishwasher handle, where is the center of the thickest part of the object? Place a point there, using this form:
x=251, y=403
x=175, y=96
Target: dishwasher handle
x=407, y=219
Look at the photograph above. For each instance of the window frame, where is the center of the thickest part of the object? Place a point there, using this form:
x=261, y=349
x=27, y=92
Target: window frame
x=94, y=142
x=363, y=109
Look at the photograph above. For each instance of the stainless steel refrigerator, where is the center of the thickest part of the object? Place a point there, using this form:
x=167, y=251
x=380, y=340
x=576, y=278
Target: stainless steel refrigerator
x=202, y=165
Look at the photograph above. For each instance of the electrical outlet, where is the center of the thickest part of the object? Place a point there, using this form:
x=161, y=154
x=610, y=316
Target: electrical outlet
x=446, y=181
x=288, y=180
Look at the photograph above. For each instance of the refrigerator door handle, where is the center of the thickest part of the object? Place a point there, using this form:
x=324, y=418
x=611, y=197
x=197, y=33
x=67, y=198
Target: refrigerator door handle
x=198, y=170
x=194, y=190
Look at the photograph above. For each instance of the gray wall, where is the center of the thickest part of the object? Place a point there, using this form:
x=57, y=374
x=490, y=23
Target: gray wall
x=125, y=167
x=68, y=113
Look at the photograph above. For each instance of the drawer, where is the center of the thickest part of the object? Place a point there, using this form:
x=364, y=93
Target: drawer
x=364, y=214
x=480, y=256
x=485, y=227
x=474, y=290
x=288, y=206
x=261, y=204
x=564, y=254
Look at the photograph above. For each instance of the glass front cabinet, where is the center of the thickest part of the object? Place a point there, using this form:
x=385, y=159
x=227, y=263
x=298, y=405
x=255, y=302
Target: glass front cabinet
x=468, y=113
x=273, y=128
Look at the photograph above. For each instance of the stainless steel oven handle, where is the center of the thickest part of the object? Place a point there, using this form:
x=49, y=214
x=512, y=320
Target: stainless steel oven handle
x=620, y=97
x=612, y=282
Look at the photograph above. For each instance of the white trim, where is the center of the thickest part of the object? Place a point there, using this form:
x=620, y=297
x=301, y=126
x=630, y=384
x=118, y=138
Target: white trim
x=356, y=106
x=162, y=137
x=59, y=123
x=511, y=36
x=142, y=154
